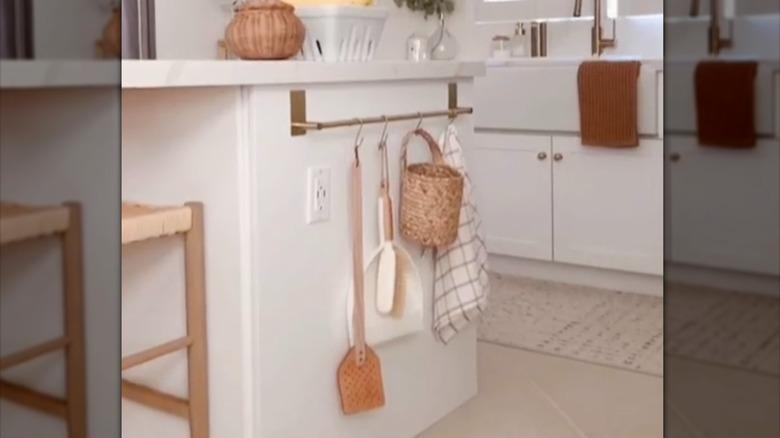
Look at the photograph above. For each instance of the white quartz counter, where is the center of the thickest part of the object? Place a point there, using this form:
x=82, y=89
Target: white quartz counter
x=172, y=74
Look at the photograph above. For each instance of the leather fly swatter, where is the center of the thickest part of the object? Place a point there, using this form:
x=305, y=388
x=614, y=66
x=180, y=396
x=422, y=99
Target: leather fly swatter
x=360, y=373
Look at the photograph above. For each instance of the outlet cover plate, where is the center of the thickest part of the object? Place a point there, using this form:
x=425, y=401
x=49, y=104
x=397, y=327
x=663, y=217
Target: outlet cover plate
x=318, y=194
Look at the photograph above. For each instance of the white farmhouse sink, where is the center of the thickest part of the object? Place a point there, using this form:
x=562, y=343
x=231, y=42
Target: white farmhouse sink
x=540, y=94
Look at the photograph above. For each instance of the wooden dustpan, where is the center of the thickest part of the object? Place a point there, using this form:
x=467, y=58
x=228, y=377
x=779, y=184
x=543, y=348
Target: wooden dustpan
x=360, y=373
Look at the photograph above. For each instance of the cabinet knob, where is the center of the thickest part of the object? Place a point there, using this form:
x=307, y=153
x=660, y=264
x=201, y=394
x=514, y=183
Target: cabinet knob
x=541, y=155
x=558, y=157
x=674, y=156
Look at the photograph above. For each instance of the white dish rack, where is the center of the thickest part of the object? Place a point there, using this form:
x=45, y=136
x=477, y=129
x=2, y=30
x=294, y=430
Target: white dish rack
x=341, y=33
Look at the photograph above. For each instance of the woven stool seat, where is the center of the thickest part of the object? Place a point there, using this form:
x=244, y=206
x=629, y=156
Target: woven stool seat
x=21, y=222
x=141, y=222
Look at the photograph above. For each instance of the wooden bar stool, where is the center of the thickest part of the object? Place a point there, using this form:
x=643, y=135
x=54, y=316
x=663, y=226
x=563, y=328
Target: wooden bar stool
x=20, y=223
x=141, y=222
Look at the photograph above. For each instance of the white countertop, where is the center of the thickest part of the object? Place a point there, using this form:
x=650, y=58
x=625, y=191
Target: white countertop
x=19, y=74
x=217, y=73
x=656, y=63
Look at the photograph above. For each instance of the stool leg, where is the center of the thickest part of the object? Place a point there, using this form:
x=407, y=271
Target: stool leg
x=196, y=324
x=74, y=325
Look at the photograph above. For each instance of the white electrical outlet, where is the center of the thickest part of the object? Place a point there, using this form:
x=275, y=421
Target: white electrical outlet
x=318, y=198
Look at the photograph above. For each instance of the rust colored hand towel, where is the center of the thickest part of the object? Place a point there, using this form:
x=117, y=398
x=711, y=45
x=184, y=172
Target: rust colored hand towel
x=725, y=103
x=608, y=103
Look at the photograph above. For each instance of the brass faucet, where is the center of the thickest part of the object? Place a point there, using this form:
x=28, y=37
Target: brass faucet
x=597, y=41
x=715, y=42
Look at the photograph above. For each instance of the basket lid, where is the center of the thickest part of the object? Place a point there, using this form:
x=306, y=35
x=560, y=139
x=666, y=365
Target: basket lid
x=265, y=5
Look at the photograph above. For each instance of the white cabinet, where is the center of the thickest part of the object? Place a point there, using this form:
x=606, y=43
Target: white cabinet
x=608, y=205
x=512, y=180
x=592, y=206
x=723, y=205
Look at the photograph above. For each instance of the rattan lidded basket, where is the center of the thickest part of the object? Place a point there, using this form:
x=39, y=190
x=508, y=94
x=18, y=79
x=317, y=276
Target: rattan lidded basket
x=431, y=197
x=265, y=29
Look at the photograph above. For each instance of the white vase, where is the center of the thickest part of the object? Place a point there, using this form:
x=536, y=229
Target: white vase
x=441, y=43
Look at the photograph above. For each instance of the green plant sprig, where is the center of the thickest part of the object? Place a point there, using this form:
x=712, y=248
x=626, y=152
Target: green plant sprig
x=428, y=7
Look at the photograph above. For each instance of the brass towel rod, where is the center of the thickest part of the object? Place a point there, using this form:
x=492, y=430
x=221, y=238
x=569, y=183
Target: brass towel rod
x=299, y=123
x=454, y=112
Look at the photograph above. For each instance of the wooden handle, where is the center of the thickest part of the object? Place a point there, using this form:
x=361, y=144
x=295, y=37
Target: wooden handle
x=387, y=202
x=436, y=153
x=358, y=318
x=388, y=222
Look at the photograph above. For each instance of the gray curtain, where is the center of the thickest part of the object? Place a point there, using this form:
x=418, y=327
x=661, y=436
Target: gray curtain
x=16, y=29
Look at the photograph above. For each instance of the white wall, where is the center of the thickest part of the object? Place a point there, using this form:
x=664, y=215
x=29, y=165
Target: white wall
x=756, y=36
x=194, y=34
x=58, y=146
x=190, y=29
x=636, y=36
x=402, y=23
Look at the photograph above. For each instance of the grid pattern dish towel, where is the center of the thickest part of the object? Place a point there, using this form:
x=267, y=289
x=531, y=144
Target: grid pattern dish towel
x=461, y=282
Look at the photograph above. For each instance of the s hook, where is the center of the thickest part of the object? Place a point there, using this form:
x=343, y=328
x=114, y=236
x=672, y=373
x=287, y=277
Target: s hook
x=383, y=137
x=358, y=140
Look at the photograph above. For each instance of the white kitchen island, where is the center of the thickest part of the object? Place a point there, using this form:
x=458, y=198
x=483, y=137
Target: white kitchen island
x=219, y=132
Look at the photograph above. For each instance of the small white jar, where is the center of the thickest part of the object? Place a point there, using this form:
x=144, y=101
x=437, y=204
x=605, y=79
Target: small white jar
x=499, y=48
x=417, y=48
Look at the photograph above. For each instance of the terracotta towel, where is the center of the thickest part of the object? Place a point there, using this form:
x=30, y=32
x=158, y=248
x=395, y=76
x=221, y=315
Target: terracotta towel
x=608, y=103
x=725, y=103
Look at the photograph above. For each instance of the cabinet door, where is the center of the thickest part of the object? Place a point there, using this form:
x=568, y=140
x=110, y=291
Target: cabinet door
x=608, y=205
x=723, y=208
x=511, y=175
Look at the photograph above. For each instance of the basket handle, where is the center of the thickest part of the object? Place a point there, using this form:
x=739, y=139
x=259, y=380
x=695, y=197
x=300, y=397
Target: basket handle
x=436, y=154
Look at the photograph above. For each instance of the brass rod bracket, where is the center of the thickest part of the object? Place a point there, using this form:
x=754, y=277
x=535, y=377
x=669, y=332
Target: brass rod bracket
x=452, y=96
x=599, y=43
x=297, y=112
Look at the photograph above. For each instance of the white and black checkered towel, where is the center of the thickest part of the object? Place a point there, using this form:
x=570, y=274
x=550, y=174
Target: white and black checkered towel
x=461, y=282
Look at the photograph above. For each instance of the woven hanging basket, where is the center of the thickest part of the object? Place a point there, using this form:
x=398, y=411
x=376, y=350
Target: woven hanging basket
x=431, y=197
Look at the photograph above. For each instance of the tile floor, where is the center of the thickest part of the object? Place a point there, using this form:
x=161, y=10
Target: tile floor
x=706, y=400
x=525, y=394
